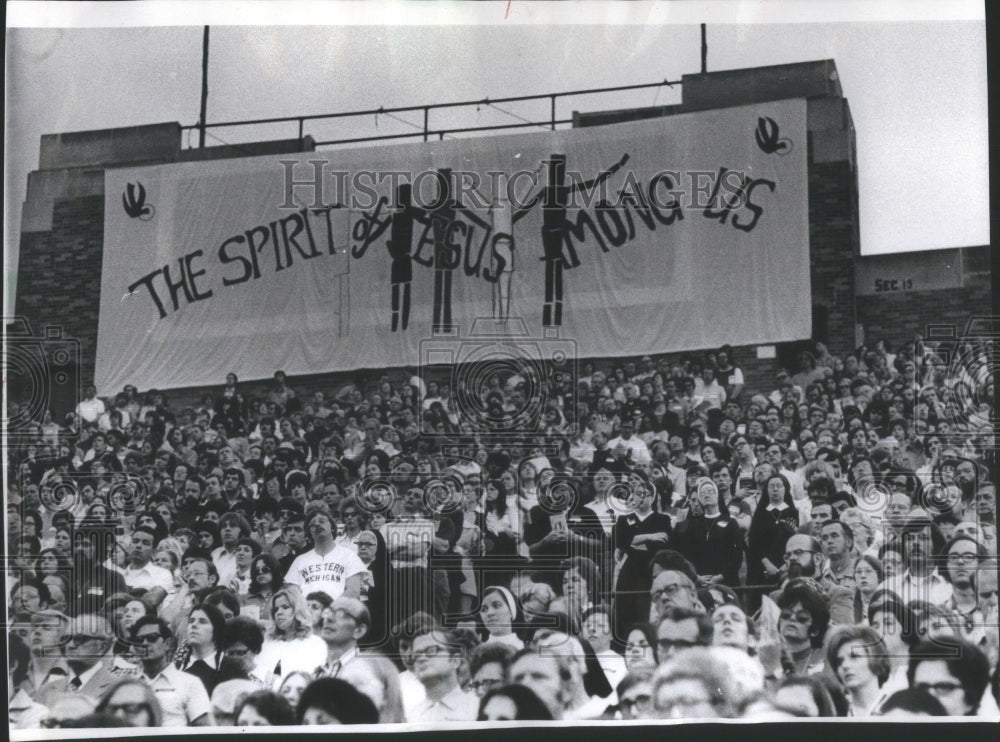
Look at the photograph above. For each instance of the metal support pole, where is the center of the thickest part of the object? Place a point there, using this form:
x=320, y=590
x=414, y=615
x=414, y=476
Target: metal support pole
x=204, y=87
x=427, y=114
x=704, y=49
x=553, y=97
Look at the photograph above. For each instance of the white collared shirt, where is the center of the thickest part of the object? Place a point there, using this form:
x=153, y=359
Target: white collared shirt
x=456, y=706
x=24, y=713
x=148, y=577
x=225, y=563
x=605, y=514
x=182, y=696
x=933, y=588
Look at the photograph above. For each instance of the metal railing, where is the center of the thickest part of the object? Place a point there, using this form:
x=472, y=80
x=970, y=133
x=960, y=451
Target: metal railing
x=427, y=132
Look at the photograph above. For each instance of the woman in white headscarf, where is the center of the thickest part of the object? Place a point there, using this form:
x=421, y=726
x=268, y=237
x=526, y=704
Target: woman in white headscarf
x=499, y=611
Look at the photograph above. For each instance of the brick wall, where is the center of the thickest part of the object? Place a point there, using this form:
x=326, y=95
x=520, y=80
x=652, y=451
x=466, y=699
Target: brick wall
x=60, y=275
x=833, y=240
x=898, y=316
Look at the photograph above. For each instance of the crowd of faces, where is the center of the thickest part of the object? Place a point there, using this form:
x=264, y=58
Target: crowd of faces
x=886, y=474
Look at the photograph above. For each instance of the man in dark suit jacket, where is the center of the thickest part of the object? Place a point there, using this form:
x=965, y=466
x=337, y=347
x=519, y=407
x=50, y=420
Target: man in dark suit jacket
x=88, y=640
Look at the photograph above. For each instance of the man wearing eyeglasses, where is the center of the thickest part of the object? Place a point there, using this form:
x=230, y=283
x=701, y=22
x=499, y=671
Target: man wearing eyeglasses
x=965, y=557
x=437, y=656
x=242, y=645
x=87, y=644
x=345, y=622
x=804, y=558
x=673, y=589
x=680, y=629
x=956, y=673
x=489, y=665
x=635, y=695
x=200, y=577
x=183, y=699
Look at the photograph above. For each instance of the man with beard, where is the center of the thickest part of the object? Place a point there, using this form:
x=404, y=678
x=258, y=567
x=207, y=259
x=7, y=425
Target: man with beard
x=232, y=487
x=200, y=577
x=805, y=558
x=966, y=477
x=920, y=579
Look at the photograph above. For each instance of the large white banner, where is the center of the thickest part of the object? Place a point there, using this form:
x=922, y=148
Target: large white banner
x=677, y=233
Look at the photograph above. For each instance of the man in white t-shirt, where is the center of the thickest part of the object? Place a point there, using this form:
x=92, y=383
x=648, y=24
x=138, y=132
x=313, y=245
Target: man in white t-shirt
x=91, y=408
x=333, y=569
x=709, y=389
x=630, y=446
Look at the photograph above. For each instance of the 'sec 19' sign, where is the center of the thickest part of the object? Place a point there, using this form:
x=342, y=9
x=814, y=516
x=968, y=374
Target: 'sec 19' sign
x=893, y=284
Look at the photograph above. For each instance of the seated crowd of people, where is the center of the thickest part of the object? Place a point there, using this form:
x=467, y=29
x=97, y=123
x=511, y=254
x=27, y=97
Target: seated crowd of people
x=654, y=541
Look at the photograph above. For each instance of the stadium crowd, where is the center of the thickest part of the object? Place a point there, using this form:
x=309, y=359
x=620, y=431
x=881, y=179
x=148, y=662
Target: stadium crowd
x=652, y=540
